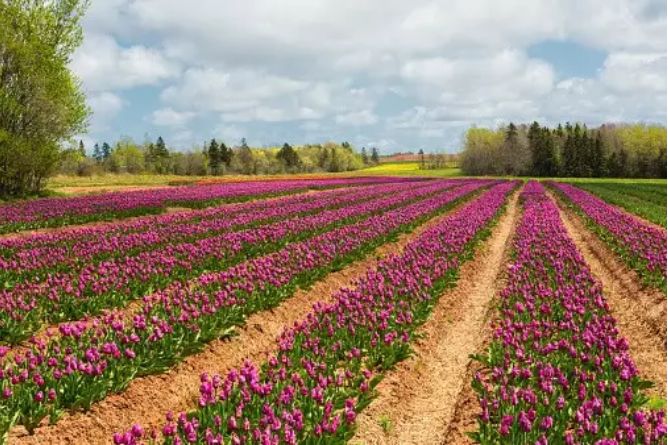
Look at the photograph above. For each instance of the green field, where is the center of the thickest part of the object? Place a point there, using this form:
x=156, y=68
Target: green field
x=645, y=199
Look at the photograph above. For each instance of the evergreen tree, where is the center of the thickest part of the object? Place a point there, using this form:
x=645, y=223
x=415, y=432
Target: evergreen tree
x=568, y=155
x=365, y=156
x=535, y=136
x=660, y=165
x=150, y=156
x=624, y=170
x=160, y=148
x=421, y=153
x=598, y=158
x=509, y=150
x=82, y=148
x=612, y=167
x=375, y=158
x=213, y=154
x=288, y=156
x=97, y=153
x=544, y=153
x=226, y=154
x=106, y=151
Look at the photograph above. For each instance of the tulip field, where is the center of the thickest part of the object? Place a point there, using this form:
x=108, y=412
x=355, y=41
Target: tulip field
x=337, y=286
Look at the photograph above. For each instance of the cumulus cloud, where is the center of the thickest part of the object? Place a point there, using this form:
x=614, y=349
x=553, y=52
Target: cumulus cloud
x=104, y=65
x=313, y=67
x=639, y=72
x=171, y=118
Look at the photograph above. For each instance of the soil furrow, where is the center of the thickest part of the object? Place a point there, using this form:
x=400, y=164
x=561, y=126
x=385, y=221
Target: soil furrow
x=640, y=312
x=147, y=399
x=416, y=400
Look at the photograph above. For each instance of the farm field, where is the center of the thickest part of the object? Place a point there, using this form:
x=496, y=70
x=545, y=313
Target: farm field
x=373, y=309
x=647, y=200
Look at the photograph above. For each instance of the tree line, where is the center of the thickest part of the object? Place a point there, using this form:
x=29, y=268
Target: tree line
x=212, y=158
x=611, y=150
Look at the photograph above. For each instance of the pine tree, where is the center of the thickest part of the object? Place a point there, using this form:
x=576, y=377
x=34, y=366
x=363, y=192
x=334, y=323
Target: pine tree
x=598, y=158
x=535, y=136
x=660, y=165
x=543, y=152
x=97, y=153
x=288, y=156
x=550, y=163
x=421, y=153
x=568, y=155
x=365, y=156
x=160, y=148
x=612, y=168
x=226, y=154
x=624, y=170
x=213, y=155
x=106, y=151
x=375, y=158
x=82, y=148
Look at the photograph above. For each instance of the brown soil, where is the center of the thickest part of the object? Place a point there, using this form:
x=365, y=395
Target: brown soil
x=416, y=401
x=467, y=409
x=147, y=399
x=640, y=312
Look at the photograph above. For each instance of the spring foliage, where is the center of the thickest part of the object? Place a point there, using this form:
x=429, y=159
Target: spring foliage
x=636, y=150
x=41, y=102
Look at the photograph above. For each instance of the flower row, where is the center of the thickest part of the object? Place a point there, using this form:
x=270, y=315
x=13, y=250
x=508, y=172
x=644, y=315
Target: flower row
x=640, y=244
x=89, y=359
x=325, y=367
x=114, y=282
x=69, y=249
x=50, y=212
x=557, y=370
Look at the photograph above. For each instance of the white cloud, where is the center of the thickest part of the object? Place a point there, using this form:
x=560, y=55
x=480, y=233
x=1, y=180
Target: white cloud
x=104, y=65
x=357, y=118
x=210, y=89
x=635, y=72
x=315, y=68
x=507, y=74
x=170, y=118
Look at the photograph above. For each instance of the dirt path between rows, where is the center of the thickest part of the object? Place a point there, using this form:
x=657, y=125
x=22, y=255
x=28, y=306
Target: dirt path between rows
x=147, y=399
x=416, y=400
x=640, y=312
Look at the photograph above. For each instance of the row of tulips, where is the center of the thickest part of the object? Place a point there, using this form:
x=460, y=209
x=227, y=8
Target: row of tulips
x=114, y=282
x=88, y=359
x=52, y=212
x=641, y=245
x=558, y=370
x=68, y=235
x=325, y=367
x=73, y=249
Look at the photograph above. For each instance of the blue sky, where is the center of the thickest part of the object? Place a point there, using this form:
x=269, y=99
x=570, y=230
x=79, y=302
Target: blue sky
x=415, y=76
